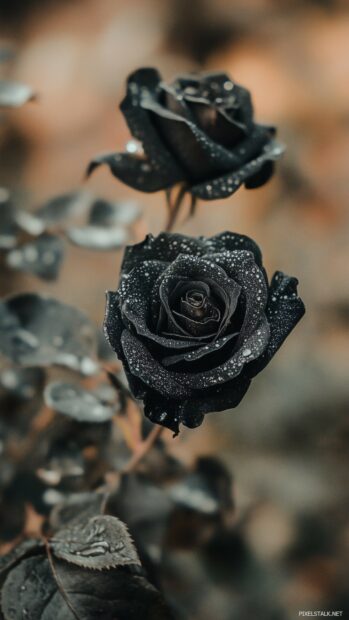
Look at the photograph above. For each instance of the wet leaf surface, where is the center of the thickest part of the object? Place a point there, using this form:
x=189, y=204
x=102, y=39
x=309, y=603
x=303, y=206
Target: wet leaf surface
x=98, y=238
x=42, y=257
x=21, y=383
x=77, y=507
x=37, y=591
x=104, y=213
x=65, y=206
x=14, y=94
x=8, y=227
x=41, y=331
x=81, y=404
x=206, y=490
x=101, y=543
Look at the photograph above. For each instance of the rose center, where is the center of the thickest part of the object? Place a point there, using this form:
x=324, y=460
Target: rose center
x=198, y=306
x=195, y=298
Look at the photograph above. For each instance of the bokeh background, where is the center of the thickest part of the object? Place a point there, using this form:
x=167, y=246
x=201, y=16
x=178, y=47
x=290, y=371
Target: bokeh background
x=286, y=444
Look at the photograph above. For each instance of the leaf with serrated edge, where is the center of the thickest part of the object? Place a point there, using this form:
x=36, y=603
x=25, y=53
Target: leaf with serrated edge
x=100, y=543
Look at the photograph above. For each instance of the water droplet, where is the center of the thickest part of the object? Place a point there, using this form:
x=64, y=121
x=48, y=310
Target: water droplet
x=133, y=147
x=228, y=85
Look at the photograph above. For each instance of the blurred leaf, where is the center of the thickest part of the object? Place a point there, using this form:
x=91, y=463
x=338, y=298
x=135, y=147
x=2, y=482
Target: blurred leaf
x=77, y=507
x=40, y=331
x=98, y=238
x=14, y=94
x=55, y=211
x=8, y=228
x=206, y=490
x=42, y=256
x=80, y=404
x=6, y=54
x=21, y=383
x=64, y=206
x=107, y=214
x=18, y=553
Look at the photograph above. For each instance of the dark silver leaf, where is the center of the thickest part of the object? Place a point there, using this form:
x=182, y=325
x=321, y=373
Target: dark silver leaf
x=22, y=383
x=6, y=53
x=62, y=207
x=42, y=256
x=77, y=507
x=37, y=590
x=8, y=228
x=79, y=403
x=55, y=211
x=206, y=490
x=40, y=331
x=100, y=543
x=14, y=94
x=98, y=238
x=104, y=213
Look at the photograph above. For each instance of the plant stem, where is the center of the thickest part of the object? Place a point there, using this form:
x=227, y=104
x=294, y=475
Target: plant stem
x=143, y=449
x=175, y=207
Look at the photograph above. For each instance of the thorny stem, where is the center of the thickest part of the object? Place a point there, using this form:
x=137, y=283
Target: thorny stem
x=143, y=449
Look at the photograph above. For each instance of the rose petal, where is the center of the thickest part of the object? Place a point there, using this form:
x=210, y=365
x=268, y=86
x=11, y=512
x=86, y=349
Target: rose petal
x=133, y=302
x=218, y=125
x=214, y=84
x=142, y=365
x=241, y=267
x=113, y=324
x=164, y=247
x=179, y=385
x=141, y=82
x=175, y=101
x=203, y=351
x=113, y=329
x=198, y=154
x=261, y=177
x=171, y=413
x=134, y=171
x=232, y=241
x=167, y=246
x=196, y=268
x=251, y=349
x=227, y=184
x=283, y=311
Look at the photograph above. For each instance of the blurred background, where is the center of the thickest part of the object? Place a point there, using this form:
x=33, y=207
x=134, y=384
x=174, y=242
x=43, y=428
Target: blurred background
x=286, y=444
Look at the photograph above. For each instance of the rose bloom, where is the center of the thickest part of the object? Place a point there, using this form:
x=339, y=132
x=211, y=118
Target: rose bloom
x=199, y=130
x=194, y=320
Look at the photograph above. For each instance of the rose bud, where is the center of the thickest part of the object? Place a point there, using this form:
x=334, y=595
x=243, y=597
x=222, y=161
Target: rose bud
x=194, y=320
x=198, y=130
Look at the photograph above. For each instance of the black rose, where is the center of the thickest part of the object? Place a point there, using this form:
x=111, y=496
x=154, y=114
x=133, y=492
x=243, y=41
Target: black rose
x=198, y=130
x=194, y=320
